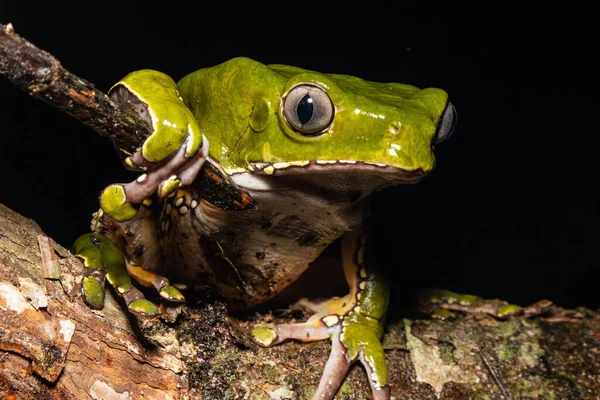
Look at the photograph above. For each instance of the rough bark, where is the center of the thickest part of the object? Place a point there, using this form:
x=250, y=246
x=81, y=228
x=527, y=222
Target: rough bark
x=53, y=346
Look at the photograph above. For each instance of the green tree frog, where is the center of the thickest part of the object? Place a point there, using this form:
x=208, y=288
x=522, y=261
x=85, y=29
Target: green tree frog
x=301, y=151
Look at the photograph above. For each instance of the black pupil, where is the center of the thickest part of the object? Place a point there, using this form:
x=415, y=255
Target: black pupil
x=304, y=109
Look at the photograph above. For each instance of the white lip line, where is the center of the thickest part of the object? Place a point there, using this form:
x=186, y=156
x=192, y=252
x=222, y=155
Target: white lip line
x=271, y=168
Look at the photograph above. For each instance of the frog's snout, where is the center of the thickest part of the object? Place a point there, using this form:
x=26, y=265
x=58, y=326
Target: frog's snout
x=447, y=124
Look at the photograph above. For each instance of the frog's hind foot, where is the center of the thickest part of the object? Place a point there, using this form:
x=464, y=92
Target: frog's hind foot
x=104, y=261
x=442, y=304
x=354, y=336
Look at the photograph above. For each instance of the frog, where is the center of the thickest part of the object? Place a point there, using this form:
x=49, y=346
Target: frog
x=298, y=154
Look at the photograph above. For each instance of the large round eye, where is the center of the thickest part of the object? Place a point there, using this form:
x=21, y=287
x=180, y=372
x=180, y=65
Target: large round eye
x=447, y=124
x=308, y=110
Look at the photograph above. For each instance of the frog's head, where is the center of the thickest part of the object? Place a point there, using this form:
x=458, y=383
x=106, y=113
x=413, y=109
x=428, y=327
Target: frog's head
x=338, y=132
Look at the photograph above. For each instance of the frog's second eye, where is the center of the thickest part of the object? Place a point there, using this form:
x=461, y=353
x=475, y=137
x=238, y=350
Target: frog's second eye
x=308, y=109
x=447, y=124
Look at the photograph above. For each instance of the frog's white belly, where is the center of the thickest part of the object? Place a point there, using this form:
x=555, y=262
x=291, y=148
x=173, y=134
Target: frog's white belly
x=250, y=256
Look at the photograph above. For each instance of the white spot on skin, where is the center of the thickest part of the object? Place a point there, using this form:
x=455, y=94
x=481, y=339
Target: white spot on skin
x=360, y=256
x=269, y=170
x=326, y=161
x=356, y=309
x=233, y=171
x=363, y=273
x=101, y=391
x=393, y=148
x=299, y=163
x=169, y=123
x=281, y=165
x=142, y=178
x=12, y=299
x=183, y=210
x=358, y=111
x=347, y=162
x=178, y=202
x=194, y=204
x=331, y=320
x=67, y=328
x=362, y=285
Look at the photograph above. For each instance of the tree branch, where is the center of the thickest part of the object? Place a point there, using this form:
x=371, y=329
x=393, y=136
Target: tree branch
x=42, y=76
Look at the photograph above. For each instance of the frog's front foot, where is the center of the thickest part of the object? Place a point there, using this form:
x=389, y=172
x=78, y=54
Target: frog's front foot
x=121, y=201
x=440, y=303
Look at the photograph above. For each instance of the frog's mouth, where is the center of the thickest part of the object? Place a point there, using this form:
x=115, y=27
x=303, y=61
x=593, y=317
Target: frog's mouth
x=340, y=175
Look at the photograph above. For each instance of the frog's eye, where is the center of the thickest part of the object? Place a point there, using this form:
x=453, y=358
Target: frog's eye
x=308, y=109
x=447, y=124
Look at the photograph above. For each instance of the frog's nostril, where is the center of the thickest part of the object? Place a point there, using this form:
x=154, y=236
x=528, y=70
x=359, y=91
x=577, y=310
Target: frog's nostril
x=395, y=127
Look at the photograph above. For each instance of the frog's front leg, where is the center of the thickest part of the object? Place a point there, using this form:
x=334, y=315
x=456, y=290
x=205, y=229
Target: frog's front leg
x=354, y=323
x=121, y=200
x=170, y=157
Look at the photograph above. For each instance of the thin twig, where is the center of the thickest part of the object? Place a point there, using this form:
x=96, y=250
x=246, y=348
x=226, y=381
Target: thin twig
x=505, y=392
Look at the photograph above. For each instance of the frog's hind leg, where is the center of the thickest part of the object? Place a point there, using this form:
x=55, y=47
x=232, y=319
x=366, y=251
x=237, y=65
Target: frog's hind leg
x=442, y=304
x=354, y=323
x=103, y=260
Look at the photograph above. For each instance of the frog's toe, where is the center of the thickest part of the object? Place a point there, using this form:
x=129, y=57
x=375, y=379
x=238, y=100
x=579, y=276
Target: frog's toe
x=341, y=358
x=160, y=283
x=143, y=308
x=306, y=332
x=92, y=288
x=137, y=304
x=172, y=294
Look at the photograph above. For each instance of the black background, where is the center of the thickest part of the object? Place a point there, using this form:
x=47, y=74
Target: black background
x=511, y=210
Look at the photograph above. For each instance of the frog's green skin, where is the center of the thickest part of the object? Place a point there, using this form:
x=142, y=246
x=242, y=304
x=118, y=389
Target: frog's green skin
x=307, y=148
